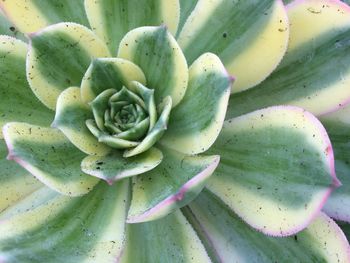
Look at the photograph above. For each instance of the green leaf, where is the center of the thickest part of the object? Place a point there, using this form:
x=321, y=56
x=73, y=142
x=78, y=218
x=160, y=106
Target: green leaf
x=250, y=37
x=276, y=169
x=226, y=236
x=49, y=156
x=175, y=182
x=171, y=239
x=155, y=133
x=112, y=19
x=15, y=182
x=109, y=73
x=71, y=115
x=59, y=57
x=66, y=229
x=338, y=128
x=114, y=166
x=186, y=8
x=156, y=52
x=315, y=73
x=33, y=15
x=17, y=102
x=192, y=127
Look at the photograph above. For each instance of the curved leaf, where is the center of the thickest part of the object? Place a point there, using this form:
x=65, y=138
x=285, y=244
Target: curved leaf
x=276, y=169
x=176, y=181
x=192, y=127
x=315, y=73
x=58, y=57
x=156, y=52
x=250, y=37
x=49, y=156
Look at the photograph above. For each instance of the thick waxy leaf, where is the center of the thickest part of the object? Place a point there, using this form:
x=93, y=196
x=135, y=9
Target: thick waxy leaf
x=112, y=19
x=171, y=239
x=109, y=73
x=156, y=52
x=7, y=28
x=172, y=184
x=315, y=73
x=49, y=156
x=59, y=57
x=225, y=237
x=71, y=114
x=63, y=229
x=15, y=182
x=250, y=37
x=114, y=166
x=155, y=133
x=17, y=102
x=338, y=128
x=32, y=15
x=186, y=8
x=193, y=127
x=276, y=169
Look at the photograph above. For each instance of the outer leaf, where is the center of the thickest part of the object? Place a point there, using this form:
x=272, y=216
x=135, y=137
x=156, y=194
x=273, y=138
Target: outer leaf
x=192, y=127
x=71, y=114
x=315, y=73
x=109, y=73
x=186, y=8
x=169, y=186
x=49, y=156
x=338, y=128
x=114, y=167
x=58, y=58
x=228, y=239
x=32, y=15
x=170, y=239
x=276, y=170
x=17, y=102
x=111, y=19
x=15, y=182
x=67, y=229
x=156, y=52
x=250, y=37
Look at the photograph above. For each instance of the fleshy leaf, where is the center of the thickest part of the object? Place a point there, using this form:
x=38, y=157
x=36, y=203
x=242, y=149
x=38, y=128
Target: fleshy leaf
x=64, y=229
x=250, y=37
x=338, y=128
x=71, y=114
x=49, y=156
x=226, y=236
x=156, y=52
x=114, y=166
x=155, y=133
x=276, y=169
x=171, y=239
x=176, y=181
x=315, y=73
x=32, y=15
x=15, y=182
x=111, y=19
x=17, y=102
x=109, y=73
x=193, y=128
x=58, y=58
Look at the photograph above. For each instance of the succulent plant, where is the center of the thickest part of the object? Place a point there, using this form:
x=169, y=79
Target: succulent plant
x=174, y=131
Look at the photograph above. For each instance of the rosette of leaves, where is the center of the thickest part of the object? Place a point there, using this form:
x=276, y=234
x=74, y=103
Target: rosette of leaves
x=136, y=93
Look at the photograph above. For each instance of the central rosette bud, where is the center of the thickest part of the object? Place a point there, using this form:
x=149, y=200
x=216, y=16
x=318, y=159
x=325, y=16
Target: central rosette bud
x=128, y=118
